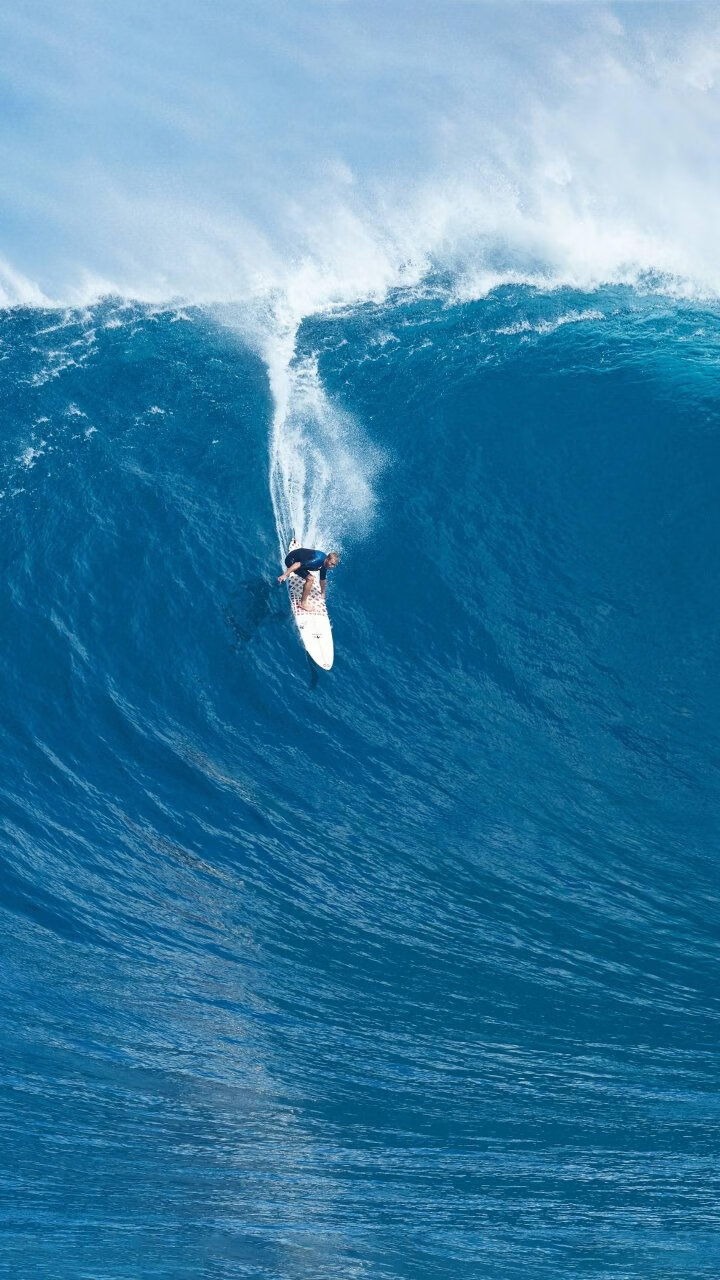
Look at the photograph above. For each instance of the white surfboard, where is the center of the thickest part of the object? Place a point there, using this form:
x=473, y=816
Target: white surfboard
x=312, y=622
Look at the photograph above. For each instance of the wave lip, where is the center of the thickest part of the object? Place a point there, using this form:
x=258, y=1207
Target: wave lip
x=580, y=149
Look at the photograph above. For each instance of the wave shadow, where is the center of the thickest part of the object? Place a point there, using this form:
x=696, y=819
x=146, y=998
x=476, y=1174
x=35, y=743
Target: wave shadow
x=253, y=605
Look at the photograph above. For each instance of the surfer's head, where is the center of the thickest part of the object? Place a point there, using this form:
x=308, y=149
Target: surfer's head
x=331, y=560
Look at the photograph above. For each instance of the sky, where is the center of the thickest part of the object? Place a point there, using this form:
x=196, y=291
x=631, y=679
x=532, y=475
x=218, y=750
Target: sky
x=329, y=149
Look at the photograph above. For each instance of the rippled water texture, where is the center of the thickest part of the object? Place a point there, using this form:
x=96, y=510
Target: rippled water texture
x=407, y=971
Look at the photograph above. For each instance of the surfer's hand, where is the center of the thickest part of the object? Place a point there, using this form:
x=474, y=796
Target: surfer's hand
x=282, y=577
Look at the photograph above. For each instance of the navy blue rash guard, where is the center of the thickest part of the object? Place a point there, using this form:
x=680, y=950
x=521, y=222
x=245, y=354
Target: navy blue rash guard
x=310, y=561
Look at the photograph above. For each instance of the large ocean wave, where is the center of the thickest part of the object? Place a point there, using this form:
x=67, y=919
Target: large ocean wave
x=407, y=971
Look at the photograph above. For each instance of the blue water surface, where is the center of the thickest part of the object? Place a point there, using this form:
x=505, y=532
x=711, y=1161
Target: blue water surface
x=405, y=971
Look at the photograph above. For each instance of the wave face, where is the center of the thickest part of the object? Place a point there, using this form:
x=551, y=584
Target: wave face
x=408, y=971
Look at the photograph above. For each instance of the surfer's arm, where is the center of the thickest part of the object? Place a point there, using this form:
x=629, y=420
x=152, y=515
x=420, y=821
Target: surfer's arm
x=292, y=569
x=323, y=585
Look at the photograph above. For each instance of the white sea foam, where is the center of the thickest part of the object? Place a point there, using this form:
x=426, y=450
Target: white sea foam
x=578, y=147
x=549, y=326
x=58, y=363
x=30, y=455
x=16, y=290
x=320, y=465
x=320, y=472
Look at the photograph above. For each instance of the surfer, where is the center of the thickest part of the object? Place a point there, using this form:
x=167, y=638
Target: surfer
x=303, y=561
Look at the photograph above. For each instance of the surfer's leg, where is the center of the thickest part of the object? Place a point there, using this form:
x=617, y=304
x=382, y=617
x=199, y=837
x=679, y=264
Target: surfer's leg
x=307, y=588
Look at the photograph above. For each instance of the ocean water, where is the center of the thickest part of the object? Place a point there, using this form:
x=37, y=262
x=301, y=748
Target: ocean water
x=409, y=970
